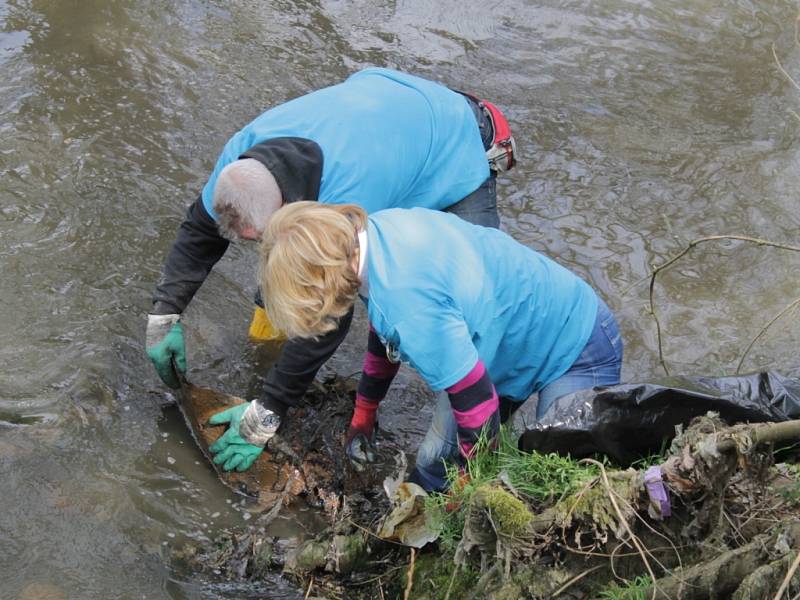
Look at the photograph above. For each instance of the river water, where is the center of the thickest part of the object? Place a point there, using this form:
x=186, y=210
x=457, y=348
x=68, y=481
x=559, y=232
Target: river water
x=641, y=125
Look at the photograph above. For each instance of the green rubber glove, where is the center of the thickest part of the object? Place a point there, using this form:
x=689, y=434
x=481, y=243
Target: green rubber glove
x=231, y=450
x=165, y=346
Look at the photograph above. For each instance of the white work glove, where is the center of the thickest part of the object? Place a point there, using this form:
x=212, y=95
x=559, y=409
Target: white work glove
x=258, y=424
x=165, y=346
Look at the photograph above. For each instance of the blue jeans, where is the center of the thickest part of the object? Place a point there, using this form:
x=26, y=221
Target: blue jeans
x=479, y=207
x=597, y=365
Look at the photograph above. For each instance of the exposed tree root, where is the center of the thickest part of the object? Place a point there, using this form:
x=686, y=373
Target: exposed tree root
x=718, y=577
x=767, y=580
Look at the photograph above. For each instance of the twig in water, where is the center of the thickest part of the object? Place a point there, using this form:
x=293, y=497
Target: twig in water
x=780, y=66
x=310, y=585
x=410, y=583
x=797, y=30
x=795, y=303
x=671, y=261
x=788, y=578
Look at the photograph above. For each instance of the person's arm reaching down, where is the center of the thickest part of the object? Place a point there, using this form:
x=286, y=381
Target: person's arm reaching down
x=198, y=246
x=252, y=425
x=376, y=377
x=475, y=408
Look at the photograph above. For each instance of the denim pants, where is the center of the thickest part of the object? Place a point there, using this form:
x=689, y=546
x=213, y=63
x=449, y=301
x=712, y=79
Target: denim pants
x=597, y=365
x=480, y=207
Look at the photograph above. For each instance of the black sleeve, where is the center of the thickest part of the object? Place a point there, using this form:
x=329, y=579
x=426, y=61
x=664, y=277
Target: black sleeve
x=296, y=163
x=198, y=246
x=297, y=365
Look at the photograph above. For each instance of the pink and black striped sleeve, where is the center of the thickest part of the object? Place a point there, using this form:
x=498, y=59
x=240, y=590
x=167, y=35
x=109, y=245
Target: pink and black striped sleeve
x=475, y=408
x=377, y=372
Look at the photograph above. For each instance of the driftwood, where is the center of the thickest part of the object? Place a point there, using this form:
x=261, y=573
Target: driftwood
x=749, y=571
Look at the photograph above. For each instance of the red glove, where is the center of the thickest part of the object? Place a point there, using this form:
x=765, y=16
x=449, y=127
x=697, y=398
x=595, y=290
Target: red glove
x=359, y=435
x=363, y=420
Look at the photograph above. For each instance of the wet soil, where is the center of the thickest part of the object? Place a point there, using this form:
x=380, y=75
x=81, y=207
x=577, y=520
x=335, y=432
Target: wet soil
x=734, y=528
x=305, y=462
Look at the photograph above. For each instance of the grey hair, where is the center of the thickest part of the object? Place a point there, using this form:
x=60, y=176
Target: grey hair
x=245, y=195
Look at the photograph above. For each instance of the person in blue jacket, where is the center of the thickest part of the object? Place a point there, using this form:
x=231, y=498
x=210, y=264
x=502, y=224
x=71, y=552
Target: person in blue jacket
x=478, y=315
x=380, y=139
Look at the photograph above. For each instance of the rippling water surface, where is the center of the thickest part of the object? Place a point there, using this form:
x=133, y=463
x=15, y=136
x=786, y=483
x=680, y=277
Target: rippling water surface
x=641, y=125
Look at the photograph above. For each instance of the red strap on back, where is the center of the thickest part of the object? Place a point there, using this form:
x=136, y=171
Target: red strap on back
x=502, y=130
x=501, y=153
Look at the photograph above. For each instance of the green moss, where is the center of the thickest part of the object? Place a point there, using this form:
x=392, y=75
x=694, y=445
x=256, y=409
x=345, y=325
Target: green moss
x=539, y=479
x=637, y=589
x=509, y=514
x=593, y=504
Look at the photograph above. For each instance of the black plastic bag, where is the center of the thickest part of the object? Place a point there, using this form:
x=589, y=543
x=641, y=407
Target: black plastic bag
x=629, y=421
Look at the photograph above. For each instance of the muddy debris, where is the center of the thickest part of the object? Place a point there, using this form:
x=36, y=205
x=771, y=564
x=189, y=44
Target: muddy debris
x=714, y=517
x=304, y=462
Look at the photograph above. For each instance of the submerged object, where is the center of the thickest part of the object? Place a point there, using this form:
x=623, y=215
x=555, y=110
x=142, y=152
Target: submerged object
x=304, y=459
x=268, y=479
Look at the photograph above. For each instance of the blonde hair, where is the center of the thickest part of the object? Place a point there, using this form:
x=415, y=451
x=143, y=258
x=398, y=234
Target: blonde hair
x=306, y=272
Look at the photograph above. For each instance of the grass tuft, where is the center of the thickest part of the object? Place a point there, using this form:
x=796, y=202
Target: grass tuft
x=537, y=478
x=636, y=589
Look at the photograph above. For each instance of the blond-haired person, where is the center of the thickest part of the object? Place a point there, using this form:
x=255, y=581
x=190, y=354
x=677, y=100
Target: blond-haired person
x=478, y=315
